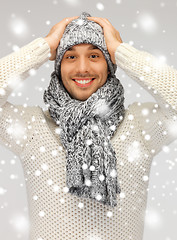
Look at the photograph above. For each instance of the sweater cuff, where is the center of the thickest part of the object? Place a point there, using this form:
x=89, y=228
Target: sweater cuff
x=124, y=52
x=40, y=48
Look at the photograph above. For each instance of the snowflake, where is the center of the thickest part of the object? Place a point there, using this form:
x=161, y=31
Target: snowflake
x=62, y=200
x=72, y=2
x=100, y=6
x=49, y=182
x=118, y=1
x=95, y=128
x=2, y=162
x=2, y=92
x=80, y=205
x=42, y=149
x=18, y=26
x=44, y=167
x=33, y=119
x=88, y=182
x=56, y=188
x=109, y=214
x=48, y=22
x=101, y=108
x=130, y=117
x=58, y=130
x=172, y=129
x=101, y=177
x=54, y=153
x=122, y=137
x=60, y=148
x=147, y=137
x=80, y=22
x=13, y=176
x=35, y=197
x=16, y=130
x=65, y=189
x=92, y=168
x=122, y=195
x=19, y=223
x=141, y=78
x=133, y=151
x=147, y=23
x=105, y=143
x=113, y=127
x=2, y=191
x=145, y=178
x=166, y=149
x=145, y=111
x=152, y=219
x=113, y=173
x=89, y=142
x=84, y=166
x=37, y=173
x=32, y=72
x=41, y=213
x=98, y=197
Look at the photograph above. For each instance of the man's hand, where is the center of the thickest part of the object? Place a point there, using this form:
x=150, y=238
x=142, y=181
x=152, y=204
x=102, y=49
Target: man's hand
x=55, y=35
x=112, y=36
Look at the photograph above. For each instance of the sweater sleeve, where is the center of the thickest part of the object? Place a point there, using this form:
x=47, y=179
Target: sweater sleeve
x=14, y=68
x=157, y=120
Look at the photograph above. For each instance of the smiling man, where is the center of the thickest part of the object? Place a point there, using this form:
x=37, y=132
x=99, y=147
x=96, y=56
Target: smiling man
x=83, y=70
x=87, y=159
x=84, y=89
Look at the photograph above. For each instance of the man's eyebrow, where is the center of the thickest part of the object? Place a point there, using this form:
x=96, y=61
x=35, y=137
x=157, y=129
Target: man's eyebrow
x=90, y=48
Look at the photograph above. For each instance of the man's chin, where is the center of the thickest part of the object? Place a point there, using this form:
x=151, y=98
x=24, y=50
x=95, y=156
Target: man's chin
x=82, y=98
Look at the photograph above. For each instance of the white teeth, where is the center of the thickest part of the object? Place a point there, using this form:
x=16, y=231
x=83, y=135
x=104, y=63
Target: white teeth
x=83, y=81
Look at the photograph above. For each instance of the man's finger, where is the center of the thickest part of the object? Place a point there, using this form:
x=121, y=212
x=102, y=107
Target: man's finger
x=97, y=20
x=107, y=20
x=68, y=20
x=100, y=21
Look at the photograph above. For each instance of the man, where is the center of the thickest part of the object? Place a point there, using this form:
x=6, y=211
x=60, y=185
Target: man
x=87, y=159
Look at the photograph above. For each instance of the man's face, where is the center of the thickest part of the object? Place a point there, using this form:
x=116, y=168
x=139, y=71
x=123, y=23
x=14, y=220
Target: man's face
x=83, y=62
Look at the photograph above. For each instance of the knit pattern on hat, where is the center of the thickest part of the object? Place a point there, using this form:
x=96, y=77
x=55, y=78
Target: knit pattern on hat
x=82, y=30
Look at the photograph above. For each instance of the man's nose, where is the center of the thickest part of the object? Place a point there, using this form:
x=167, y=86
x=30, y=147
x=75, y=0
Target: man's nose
x=83, y=65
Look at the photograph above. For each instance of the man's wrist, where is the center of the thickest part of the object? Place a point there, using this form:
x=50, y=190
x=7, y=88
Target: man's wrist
x=48, y=41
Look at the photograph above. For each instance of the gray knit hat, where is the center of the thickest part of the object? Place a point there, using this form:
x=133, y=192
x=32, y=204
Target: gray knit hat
x=82, y=30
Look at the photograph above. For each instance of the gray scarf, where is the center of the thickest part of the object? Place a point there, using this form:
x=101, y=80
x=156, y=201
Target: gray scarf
x=87, y=127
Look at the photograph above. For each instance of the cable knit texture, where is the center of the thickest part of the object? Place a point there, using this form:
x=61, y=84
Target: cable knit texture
x=55, y=214
x=87, y=126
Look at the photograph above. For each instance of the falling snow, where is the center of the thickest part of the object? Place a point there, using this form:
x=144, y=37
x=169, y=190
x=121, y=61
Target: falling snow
x=141, y=20
x=100, y=6
x=133, y=152
x=147, y=23
x=101, y=108
x=18, y=26
x=19, y=223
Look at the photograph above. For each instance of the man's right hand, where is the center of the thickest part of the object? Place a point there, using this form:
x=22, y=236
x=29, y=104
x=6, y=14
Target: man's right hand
x=55, y=35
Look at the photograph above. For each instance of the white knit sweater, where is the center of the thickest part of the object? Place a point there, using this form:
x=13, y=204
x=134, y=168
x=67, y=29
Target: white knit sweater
x=30, y=133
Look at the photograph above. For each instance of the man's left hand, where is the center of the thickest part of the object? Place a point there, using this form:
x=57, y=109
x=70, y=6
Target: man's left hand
x=112, y=36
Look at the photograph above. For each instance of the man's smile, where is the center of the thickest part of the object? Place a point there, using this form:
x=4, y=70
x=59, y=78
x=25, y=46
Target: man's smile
x=84, y=82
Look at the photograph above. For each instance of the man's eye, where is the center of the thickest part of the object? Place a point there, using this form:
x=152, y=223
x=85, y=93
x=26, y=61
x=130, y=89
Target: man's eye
x=95, y=56
x=92, y=55
x=70, y=57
